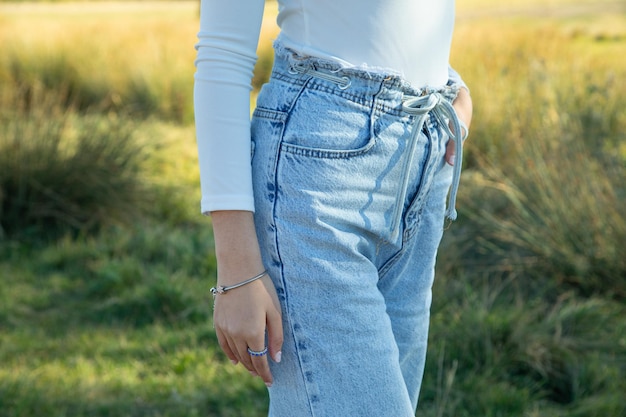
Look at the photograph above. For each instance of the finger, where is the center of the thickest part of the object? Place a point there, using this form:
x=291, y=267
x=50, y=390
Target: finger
x=275, y=335
x=236, y=353
x=245, y=358
x=222, y=340
x=261, y=365
x=275, y=342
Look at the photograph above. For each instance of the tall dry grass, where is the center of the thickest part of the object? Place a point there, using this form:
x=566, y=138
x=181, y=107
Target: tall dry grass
x=135, y=59
x=63, y=172
x=544, y=187
x=80, y=92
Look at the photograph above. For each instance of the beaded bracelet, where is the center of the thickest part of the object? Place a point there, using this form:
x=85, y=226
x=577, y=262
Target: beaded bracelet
x=222, y=289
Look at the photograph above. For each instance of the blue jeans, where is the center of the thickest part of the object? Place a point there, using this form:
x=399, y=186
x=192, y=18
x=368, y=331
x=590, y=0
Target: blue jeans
x=349, y=212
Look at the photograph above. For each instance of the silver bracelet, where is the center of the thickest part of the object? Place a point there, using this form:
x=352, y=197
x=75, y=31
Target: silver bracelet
x=221, y=289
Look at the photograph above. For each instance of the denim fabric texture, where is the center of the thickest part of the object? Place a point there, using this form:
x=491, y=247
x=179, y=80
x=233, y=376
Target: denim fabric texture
x=351, y=253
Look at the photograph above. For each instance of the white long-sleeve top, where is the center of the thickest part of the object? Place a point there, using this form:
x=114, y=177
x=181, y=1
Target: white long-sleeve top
x=410, y=38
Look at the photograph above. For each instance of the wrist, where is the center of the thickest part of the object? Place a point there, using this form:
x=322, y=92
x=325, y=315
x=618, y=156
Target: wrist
x=223, y=289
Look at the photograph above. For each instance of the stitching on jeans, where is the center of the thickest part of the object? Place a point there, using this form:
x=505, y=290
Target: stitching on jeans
x=269, y=114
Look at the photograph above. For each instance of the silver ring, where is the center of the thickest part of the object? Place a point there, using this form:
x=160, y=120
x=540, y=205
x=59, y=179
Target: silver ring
x=258, y=352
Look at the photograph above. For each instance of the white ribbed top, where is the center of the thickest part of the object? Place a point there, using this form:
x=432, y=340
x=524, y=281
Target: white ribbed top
x=407, y=37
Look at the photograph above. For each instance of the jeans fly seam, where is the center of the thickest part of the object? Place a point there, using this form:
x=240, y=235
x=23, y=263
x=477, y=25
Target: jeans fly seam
x=382, y=271
x=422, y=192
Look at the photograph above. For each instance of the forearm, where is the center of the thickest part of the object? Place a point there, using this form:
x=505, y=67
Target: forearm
x=227, y=43
x=236, y=246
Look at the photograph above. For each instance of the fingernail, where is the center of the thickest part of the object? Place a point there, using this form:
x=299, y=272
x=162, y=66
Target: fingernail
x=452, y=159
x=234, y=362
x=278, y=357
x=253, y=373
x=268, y=384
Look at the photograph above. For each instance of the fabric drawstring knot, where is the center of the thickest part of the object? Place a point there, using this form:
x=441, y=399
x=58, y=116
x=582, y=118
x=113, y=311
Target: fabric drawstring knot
x=440, y=108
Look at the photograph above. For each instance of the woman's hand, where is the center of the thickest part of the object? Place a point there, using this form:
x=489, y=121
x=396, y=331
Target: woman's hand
x=243, y=315
x=463, y=107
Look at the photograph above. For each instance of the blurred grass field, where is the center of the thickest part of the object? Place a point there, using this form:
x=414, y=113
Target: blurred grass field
x=105, y=263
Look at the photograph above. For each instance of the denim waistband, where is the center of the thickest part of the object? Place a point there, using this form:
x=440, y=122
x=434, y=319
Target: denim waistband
x=365, y=87
x=364, y=82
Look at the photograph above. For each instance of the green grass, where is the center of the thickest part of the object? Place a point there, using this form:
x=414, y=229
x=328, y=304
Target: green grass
x=105, y=309
x=115, y=325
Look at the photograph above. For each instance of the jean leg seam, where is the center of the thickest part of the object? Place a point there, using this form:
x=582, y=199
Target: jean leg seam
x=290, y=320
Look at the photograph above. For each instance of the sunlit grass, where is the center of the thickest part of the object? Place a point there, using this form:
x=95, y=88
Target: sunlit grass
x=133, y=59
x=96, y=372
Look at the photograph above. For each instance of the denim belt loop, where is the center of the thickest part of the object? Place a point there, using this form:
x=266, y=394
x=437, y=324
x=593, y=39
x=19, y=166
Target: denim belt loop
x=307, y=69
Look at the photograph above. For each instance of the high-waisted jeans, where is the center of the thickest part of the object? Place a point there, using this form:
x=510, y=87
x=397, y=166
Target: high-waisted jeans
x=350, y=187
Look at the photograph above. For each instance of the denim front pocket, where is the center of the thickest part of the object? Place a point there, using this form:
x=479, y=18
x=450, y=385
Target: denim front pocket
x=267, y=127
x=326, y=125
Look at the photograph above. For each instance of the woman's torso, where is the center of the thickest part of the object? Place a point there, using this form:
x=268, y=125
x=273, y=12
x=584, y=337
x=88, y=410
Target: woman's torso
x=409, y=37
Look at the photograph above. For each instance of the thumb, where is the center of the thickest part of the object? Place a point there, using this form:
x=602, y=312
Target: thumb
x=275, y=335
x=450, y=152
